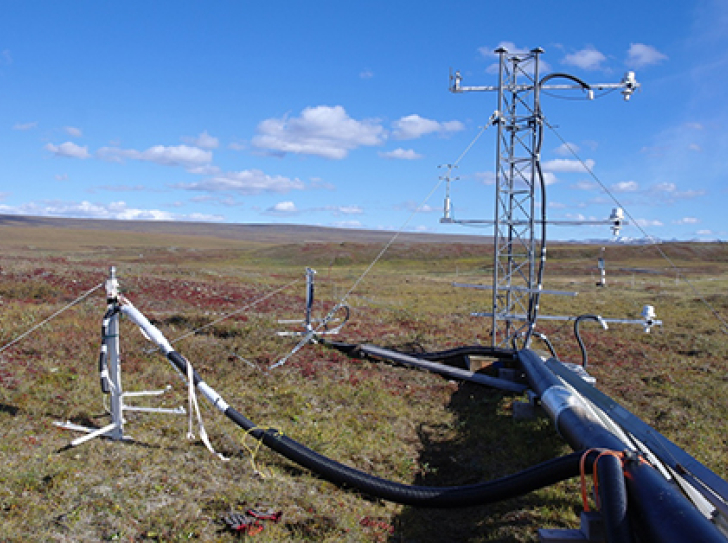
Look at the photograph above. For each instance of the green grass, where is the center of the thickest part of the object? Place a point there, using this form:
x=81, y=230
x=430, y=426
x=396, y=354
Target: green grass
x=394, y=422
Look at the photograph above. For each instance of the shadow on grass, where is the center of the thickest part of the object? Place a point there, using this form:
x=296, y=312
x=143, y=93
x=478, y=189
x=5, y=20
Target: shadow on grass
x=9, y=409
x=486, y=443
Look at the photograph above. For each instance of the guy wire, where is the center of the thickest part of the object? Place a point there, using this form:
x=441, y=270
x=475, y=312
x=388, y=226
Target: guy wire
x=386, y=247
x=66, y=307
x=698, y=294
x=247, y=306
x=401, y=228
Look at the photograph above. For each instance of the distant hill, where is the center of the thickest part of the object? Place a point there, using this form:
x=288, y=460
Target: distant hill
x=266, y=233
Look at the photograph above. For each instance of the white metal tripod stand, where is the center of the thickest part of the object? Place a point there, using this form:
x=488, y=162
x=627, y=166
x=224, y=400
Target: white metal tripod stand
x=110, y=374
x=307, y=321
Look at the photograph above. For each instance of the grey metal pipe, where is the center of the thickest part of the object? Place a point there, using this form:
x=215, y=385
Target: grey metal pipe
x=443, y=369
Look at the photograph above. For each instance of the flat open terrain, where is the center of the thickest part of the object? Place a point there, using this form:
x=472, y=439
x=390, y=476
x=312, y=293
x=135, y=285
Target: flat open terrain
x=397, y=423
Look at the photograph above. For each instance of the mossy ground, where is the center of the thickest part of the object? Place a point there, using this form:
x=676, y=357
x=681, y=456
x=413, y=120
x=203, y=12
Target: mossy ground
x=394, y=422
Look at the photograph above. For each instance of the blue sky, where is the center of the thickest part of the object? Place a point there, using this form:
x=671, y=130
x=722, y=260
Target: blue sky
x=339, y=114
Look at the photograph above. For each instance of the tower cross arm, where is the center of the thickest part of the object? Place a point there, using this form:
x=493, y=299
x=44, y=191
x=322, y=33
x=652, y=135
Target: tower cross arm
x=628, y=84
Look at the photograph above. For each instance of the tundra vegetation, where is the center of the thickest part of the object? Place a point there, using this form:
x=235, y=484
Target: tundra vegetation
x=394, y=422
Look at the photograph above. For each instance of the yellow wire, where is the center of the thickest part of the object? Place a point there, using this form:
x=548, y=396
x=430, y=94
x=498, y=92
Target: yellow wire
x=254, y=450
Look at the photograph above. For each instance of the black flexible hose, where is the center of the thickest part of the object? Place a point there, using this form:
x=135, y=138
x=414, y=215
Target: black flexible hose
x=533, y=478
x=584, y=356
x=548, y=343
x=534, y=301
x=103, y=352
x=584, y=84
x=613, y=499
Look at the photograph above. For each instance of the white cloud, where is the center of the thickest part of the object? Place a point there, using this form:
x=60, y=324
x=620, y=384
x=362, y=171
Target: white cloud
x=282, y=208
x=648, y=222
x=345, y=210
x=25, y=126
x=245, y=182
x=668, y=192
x=227, y=201
x=318, y=183
x=655, y=150
x=626, y=186
x=122, y=188
x=664, y=187
x=584, y=185
x=414, y=126
x=487, y=178
x=204, y=169
x=73, y=131
x=366, y=74
x=641, y=55
x=658, y=194
x=203, y=141
x=347, y=224
x=567, y=149
x=586, y=59
x=114, y=210
x=413, y=207
x=5, y=57
x=179, y=155
x=323, y=131
x=68, y=150
x=687, y=220
x=489, y=52
x=549, y=178
x=401, y=154
x=565, y=165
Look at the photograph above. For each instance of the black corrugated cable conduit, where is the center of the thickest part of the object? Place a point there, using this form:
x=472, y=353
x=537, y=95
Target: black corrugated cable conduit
x=613, y=499
x=528, y=480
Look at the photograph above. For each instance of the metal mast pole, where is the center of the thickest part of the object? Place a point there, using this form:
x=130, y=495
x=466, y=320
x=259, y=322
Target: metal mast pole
x=114, y=361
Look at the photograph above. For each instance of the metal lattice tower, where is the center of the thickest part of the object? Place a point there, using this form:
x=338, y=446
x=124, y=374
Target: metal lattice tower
x=519, y=227
x=514, y=270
